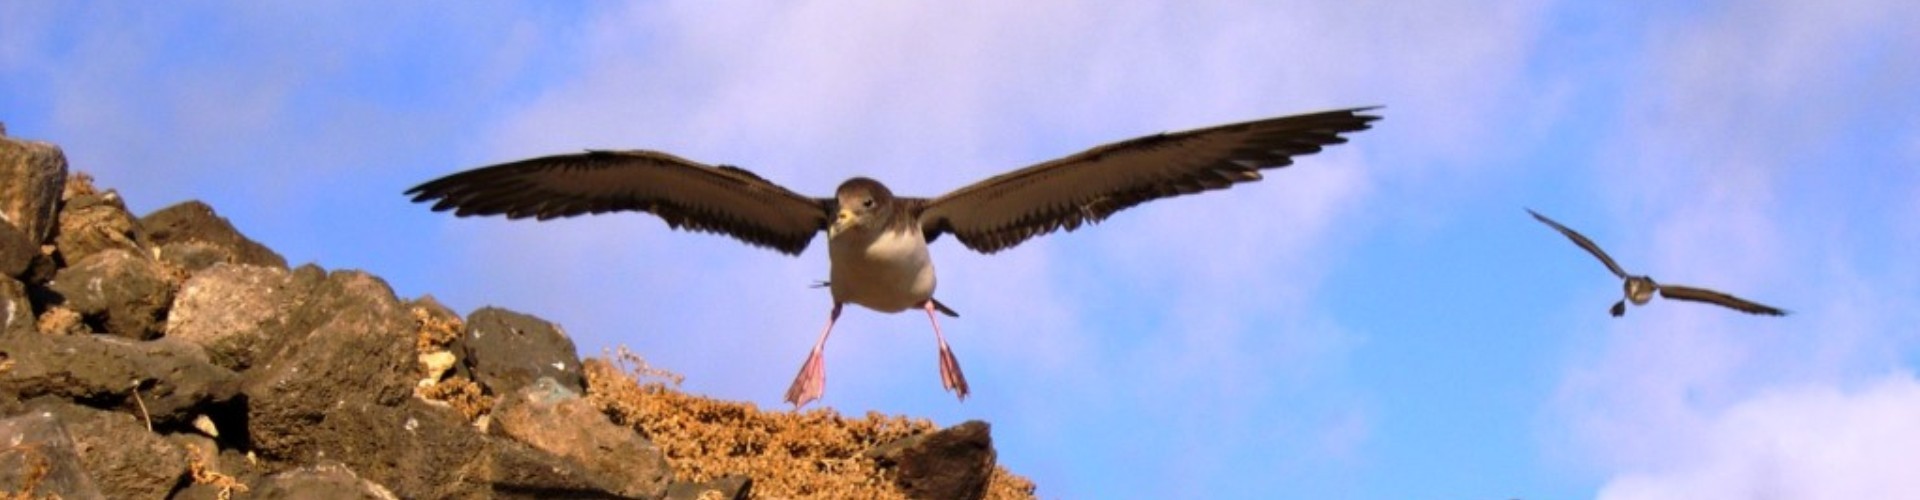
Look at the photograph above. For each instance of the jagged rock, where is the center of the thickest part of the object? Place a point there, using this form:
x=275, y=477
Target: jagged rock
x=320, y=482
x=124, y=459
x=118, y=292
x=735, y=487
x=93, y=222
x=955, y=462
x=32, y=174
x=195, y=221
x=507, y=350
x=347, y=347
x=39, y=460
x=192, y=256
x=16, y=251
x=340, y=387
x=557, y=420
x=174, y=379
x=16, y=311
x=236, y=311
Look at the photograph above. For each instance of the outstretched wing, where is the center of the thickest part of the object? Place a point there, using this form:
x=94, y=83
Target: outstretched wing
x=687, y=195
x=1584, y=243
x=1713, y=297
x=1000, y=212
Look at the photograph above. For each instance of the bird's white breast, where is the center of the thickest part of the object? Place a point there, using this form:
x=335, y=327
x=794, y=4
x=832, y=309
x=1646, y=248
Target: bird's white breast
x=889, y=272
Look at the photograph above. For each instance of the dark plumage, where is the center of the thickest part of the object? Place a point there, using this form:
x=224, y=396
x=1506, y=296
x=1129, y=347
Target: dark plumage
x=878, y=251
x=1640, y=289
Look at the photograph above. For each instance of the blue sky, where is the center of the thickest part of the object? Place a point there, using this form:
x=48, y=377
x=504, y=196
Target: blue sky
x=1382, y=320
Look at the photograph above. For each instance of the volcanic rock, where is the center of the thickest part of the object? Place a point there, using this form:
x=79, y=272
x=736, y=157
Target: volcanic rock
x=193, y=221
x=507, y=350
x=955, y=462
x=557, y=420
x=39, y=460
x=32, y=174
x=118, y=292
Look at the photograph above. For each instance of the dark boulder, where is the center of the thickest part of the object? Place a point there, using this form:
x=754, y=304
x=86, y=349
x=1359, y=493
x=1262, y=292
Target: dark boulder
x=506, y=350
x=174, y=380
x=118, y=292
x=32, y=175
x=195, y=221
x=16, y=251
x=124, y=458
x=39, y=460
x=327, y=481
x=955, y=462
x=557, y=420
x=93, y=222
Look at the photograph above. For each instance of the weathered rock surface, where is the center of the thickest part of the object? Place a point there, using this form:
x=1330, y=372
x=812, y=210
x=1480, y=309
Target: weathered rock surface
x=174, y=378
x=347, y=348
x=32, y=174
x=16, y=250
x=124, y=458
x=118, y=292
x=320, y=482
x=38, y=460
x=193, y=221
x=955, y=462
x=237, y=311
x=16, y=311
x=557, y=420
x=507, y=350
x=93, y=222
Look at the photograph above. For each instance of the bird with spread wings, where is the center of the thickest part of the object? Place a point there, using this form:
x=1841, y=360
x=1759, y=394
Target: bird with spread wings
x=877, y=242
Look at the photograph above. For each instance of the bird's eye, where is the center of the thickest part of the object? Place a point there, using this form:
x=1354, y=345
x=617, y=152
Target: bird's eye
x=868, y=203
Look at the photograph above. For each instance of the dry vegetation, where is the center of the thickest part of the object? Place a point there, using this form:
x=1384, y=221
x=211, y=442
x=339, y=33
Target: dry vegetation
x=816, y=453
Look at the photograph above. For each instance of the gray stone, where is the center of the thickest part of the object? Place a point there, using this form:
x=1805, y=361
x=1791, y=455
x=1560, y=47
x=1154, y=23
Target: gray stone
x=348, y=346
x=507, y=350
x=557, y=420
x=38, y=460
x=236, y=311
x=118, y=292
x=174, y=379
x=955, y=462
x=32, y=174
x=195, y=221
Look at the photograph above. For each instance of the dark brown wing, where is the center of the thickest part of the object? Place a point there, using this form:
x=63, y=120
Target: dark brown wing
x=688, y=195
x=1713, y=297
x=1584, y=243
x=997, y=213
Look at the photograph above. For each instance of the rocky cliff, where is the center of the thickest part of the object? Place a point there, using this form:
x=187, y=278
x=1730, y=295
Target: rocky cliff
x=169, y=356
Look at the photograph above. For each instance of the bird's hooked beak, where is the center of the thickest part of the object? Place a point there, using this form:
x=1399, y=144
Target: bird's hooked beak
x=840, y=223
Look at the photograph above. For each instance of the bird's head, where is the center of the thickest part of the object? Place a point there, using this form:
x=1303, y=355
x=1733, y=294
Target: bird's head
x=864, y=205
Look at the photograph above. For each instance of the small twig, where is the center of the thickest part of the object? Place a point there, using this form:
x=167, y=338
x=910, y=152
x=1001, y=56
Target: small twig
x=143, y=406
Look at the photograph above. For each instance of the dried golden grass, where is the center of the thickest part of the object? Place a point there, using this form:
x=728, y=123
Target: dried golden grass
x=811, y=454
x=202, y=474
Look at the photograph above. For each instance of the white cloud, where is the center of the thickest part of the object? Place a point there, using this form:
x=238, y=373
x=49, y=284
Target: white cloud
x=1812, y=441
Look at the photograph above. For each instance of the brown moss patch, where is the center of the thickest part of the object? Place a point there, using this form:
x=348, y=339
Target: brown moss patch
x=816, y=453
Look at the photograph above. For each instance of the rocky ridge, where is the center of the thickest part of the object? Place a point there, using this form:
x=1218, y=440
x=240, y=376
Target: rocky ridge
x=169, y=356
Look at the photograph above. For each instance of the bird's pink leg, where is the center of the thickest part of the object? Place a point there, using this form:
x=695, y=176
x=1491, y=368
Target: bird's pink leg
x=950, y=375
x=811, y=383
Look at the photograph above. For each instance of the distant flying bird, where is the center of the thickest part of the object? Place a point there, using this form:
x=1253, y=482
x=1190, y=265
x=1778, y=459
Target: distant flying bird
x=877, y=242
x=1640, y=288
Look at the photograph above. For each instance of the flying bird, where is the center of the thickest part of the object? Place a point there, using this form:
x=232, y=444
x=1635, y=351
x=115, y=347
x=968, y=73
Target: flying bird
x=1640, y=288
x=877, y=241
